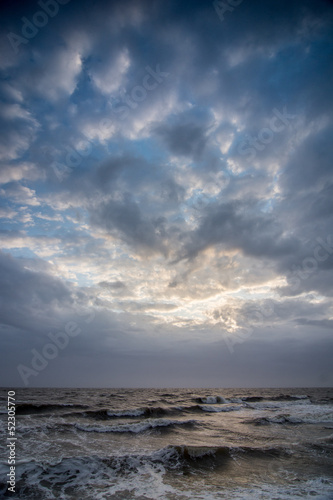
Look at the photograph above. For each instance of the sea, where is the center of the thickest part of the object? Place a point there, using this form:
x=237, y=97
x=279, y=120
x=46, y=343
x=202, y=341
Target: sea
x=172, y=444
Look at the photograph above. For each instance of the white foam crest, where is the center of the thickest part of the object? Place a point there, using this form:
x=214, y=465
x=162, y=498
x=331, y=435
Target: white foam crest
x=314, y=413
x=299, y=413
x=146, y=482
x=211, y=400
x=235, y=400
x=143, y=478
x=318, y=489
x=165, y=454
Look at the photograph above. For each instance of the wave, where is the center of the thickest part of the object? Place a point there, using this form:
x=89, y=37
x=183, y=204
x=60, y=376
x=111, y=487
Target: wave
x=172, y=456
x=326, y=445
x=281, y=397
x=198, y=454
x=137, y=427
x=218, y=409
x=158, y=424
x=309, y=414
x=30, y=408
x=288, y=397
x=174, y=410
x=137, y=412
x=106, y=413
x=280, y=419
x=211, y=400
x=253, y=399
x=142, y=476
x=153, y=412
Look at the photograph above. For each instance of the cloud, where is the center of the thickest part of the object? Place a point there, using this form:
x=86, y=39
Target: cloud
x=7, y=213
x=53, y=75
x=109, y=77
x=125, y=219
x=114, y=285
x=20, y=194
x=309, y=168
x=171, y=173
x=29, y=297
x=239, y=225
x=19, y=130
x=17, y=172
x=184, y=140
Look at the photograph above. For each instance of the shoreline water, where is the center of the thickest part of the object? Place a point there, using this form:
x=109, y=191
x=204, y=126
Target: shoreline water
x=172, y=443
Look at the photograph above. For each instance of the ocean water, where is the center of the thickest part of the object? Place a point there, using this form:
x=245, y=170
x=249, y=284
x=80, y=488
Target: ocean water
x=170, y=444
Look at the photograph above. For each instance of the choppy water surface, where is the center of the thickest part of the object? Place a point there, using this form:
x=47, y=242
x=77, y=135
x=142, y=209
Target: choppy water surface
x=171, y=444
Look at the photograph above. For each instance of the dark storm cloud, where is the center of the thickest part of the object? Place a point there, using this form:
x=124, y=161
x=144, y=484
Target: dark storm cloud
x=29, y=298
x=184, y=140
x=310, y=167
x=187, y=134
x=171, y=191
x=242, y=226
x=314, y=280
x=18, y=127
x=125, y=217
x=324, y=323
x=19, y=283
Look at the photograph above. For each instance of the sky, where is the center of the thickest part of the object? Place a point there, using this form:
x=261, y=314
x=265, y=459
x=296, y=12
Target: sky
x=166, y=185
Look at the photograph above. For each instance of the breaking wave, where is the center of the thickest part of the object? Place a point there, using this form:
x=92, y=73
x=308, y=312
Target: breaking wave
x=137, y=427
